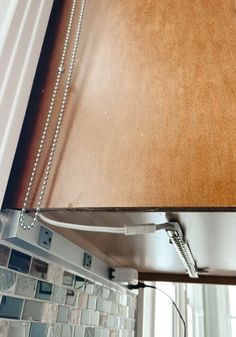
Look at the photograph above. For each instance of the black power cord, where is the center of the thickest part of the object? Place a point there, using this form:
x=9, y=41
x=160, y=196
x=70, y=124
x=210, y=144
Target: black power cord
x=143, y=285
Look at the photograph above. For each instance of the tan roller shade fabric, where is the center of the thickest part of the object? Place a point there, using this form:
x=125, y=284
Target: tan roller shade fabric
x=151, y=115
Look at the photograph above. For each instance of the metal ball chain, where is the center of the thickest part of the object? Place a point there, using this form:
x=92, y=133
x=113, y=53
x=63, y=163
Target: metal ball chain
x=60, y=115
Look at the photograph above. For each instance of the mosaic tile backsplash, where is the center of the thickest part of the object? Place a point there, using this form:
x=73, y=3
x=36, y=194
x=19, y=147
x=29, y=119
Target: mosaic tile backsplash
x=40, y=299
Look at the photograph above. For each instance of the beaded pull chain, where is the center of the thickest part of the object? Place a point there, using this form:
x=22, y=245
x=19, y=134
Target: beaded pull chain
x=60, y=72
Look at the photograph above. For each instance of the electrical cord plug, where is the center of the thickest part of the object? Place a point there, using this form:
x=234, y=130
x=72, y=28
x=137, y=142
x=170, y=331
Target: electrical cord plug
x=139, y=285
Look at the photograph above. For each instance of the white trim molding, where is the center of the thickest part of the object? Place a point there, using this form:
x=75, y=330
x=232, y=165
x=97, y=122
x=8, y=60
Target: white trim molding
x=23, y=32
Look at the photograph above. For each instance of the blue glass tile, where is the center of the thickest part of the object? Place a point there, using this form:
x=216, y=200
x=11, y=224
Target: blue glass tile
x=68, y=278
x=38, y=330
x=66, y=331
x=32, y=311
x=19, y=261
x=63, y=314
x=18, y=329
x=98, y=290
x=79, y=282
x=4, y=255
x=79, y=331
x=39, y=268
x=89, y=332
x=71, y=297
x=59, y=294
x=112, y=295
x=25, y=286
x=11, y=307
x=7, y=280
x=44, y=291
x=89, y=288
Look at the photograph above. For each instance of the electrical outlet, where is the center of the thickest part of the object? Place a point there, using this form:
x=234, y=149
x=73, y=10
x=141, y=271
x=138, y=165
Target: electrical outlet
x=87, y=260
x=45, y=238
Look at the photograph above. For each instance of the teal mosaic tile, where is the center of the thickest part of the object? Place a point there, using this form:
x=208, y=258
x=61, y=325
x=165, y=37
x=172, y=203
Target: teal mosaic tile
x=32, y=311
x=112, y=295
x=104, y=305
x=100, y=304
x=128, y=324
x=79, y=331
x=79, y=283
x=85, y=317
x=114, y=308
x=25, y=286
x=122, y=322
x=89, y=332
x=4, y=255
x=71, y=297
x=129, y=301
x=81, y=309
x=10, y=307
x=116, y=322
x=39, y=268
x=92, y=301
x=7, y=280
x=44, y=291
x=19, y=261
x=105, y=293
x=110, y=321
x=66, y=331
x=124, y=299
x=125, y=333
x=89, y=288
x=126, y=311
x=94, y=319
x=98, y=290
x=17, y=329
x=107, y=306
x=38, y=330
x=132, y=313
x=68, y=279
x=118, y=298
x=97, y=332
x=133, y=324
x=59, y=294
x=63, y=314
x=105, y=333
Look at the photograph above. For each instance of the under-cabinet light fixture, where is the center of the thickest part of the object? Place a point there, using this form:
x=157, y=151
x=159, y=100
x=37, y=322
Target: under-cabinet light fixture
x=173, y=230
x=181, y=246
